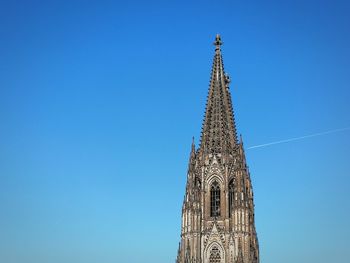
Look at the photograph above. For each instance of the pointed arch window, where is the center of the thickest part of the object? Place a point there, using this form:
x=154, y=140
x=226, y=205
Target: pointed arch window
x=215, y=200
x=197, y=189
x=215, y=255
x=231, y=196
x=198, y=183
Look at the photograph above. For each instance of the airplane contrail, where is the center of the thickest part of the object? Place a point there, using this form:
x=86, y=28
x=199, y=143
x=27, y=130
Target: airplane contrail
x=298, y=138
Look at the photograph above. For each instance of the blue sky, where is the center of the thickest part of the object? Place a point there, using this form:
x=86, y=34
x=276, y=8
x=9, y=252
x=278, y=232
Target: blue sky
x=99, y=102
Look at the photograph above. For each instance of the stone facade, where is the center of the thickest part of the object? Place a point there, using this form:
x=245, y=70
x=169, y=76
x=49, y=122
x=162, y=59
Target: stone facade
x=218, y=207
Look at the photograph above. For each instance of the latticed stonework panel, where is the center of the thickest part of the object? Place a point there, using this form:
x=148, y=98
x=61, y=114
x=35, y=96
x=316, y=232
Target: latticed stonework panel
x=214, y=255
x=218, y=209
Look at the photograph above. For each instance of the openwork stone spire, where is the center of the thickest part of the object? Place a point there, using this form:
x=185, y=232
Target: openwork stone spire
x=218, y=130
x=218, y=224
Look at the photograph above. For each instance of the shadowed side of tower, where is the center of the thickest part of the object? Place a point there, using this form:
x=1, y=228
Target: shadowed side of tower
x=218, y=208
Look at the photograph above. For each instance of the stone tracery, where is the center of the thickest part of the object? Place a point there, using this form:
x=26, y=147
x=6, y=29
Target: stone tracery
x=218, y=209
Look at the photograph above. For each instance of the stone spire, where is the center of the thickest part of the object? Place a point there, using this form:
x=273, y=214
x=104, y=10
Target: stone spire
x=218, y=130
x=218, y=208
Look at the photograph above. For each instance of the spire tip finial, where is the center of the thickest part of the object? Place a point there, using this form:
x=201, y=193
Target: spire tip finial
x=217, y=41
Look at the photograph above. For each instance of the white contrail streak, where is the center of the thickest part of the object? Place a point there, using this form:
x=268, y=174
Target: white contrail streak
x=298, y=138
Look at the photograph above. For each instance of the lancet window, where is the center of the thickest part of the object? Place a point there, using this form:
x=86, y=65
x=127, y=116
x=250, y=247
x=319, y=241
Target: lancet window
x=197, y=188
x=231, y=196
x=215, y=199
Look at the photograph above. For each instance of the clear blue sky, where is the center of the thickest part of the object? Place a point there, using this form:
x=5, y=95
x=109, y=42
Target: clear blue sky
x=99, y=102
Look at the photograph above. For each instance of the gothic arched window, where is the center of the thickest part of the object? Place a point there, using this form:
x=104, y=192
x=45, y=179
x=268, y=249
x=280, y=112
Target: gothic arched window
x=198, y=183
x=231, y=196
x=215, y=255
x=197, y=189
x=215, y=200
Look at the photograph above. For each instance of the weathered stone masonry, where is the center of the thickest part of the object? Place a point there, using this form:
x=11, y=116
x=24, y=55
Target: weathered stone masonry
x=218, y=207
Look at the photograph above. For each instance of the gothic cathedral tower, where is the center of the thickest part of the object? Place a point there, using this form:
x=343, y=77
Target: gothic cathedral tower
x=218, y=207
